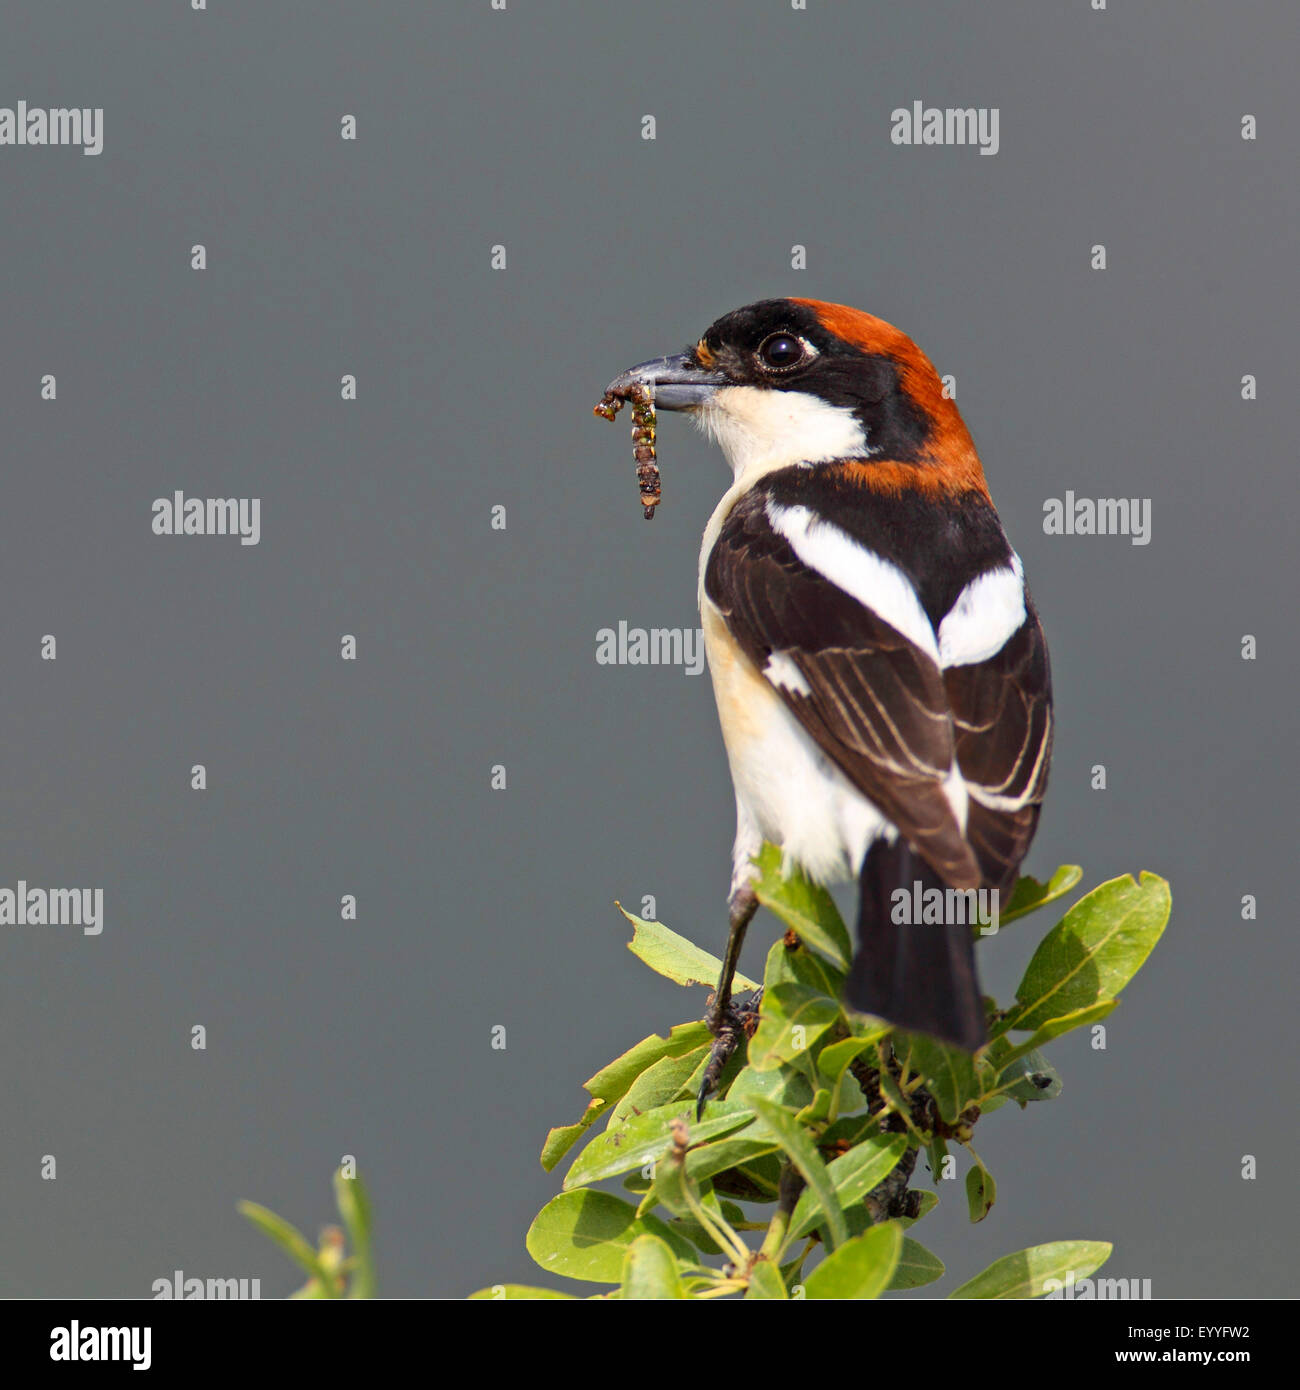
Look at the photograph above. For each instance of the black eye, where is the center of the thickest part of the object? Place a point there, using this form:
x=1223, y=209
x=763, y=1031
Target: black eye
x=779, y=351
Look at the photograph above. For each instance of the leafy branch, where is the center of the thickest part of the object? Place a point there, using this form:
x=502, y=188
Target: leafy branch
x=331, y=1271
x=821, y=1116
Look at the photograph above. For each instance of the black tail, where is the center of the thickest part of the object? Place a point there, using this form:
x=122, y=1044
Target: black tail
x=916, y=975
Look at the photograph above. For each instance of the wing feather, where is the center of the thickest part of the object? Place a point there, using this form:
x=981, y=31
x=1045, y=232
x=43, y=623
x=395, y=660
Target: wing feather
x=874, y=702
x=884, y=711
x=1002, y=715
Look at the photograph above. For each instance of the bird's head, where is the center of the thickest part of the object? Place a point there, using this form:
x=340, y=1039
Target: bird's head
x=800, y=382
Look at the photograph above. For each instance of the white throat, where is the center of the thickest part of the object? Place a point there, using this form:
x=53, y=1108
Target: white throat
x=759, y=429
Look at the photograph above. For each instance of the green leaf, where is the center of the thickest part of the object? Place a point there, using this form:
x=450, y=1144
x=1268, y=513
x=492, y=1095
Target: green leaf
x=951, y=1074
x=753, y=1180
x=1023, y=1274
x=584, y=1235
x=745, y=1166
x=852, y=1176
x=929, y=1200
x=643, y=1138
x=849, y=1099
x=294, y=1244
x=354, y=1207
x=799, y=1147
x=833, y=1066
x=1029, y=1078
x=684, y=1198
x=797, y=965
x=833, y=1060
x=702, y=1163
x=561, y=1138
x=660, y=1084
x=916, y=1266
x=981, y=1191
x=818, y=1110
x=732, y=1068
x=935, y=1153
x=701, y=1239
x=650, y=1270
x=860, y=1268
x=501, y=1292
x=765, y=1281
x=787, y=1086
x=804, y=906
x=673, y=956
x=847, y=1131
x=313, y=1290
x=1029, y=894
x=612, y=1082
x=898, y=1102
x=1094, y=951
x=792, y=1018
x=694, y=1230
x=1054, y=1028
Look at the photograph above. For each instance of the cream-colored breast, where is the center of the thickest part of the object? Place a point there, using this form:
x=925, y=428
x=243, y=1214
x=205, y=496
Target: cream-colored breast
x=787, y=790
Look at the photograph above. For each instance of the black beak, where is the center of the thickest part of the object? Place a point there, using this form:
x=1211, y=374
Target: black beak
x=675, y=382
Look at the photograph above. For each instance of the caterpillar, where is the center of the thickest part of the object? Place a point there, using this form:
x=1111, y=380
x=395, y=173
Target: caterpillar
x=642, y=400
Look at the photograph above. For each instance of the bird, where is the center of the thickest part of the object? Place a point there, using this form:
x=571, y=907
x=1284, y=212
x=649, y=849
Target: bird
x=880, y=670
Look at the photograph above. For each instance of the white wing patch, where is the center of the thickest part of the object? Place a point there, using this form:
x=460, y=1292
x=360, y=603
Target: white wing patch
x=958, y=794
x=781, y=670
x=988, y=612
x=873, y=581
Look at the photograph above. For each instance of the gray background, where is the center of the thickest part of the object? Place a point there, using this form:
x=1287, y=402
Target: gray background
x=480, y=908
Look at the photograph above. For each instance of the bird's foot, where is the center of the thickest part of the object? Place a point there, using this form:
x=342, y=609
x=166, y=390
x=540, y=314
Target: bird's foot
x=734, y=1021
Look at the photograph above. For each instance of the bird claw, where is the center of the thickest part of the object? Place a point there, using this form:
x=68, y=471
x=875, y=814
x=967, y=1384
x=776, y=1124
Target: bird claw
x=728, y=1026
